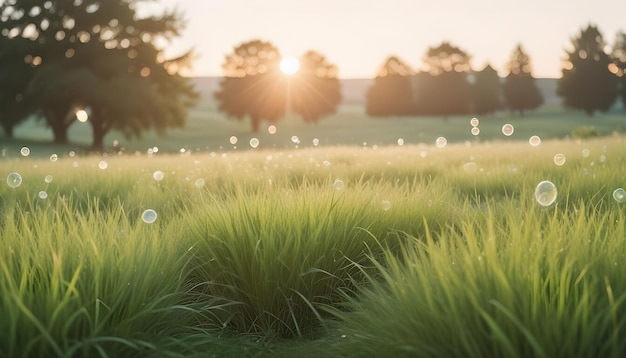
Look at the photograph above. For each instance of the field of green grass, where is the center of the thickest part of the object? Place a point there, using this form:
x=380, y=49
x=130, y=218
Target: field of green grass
x=336, y=250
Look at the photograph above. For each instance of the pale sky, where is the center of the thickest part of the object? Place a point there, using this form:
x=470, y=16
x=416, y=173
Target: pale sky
x=358, y=35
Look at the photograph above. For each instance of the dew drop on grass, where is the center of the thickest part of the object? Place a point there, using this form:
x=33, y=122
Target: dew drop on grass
x=474, y=122
x=103, y=165
x=233, y=140
x=586, y=153
x=54, y=158
x=619, y=195
x=316, y=142
x=400, y=141
x=200, y=183
x=508, y=129
x=441, y=142
x=48, y=179
x=339, y=185
x=14, y=180
x=545, y=193
x=271, y=129
x=385, y=205
x=25, y=151
x=149, y=216
x=475, y=130
x=534, y=141
x=559, y=159
x=43, y=195
x=158, y=175
x=254, y=142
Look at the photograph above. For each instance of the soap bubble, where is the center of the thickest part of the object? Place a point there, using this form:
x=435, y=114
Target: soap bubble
x=475, y=130
x=470, y=167
x=586, y=153
x=508, y=129
x=103, y=165
x=254, y=142
x=200, y=183
x=43, y=195
x=233, y=140
x=339, y=185
x=271, y=129
x=14, y=180
x=545, y=193
x=559, y=159
x=316, y=142
x=474, y=122
x=534, y=141
x=441, y=142
x=619, y=195
x=48, y=179
x=25, y=151
x=400, y=141
x=295, y=139
x=149, y=216
x=158, y=175
x=54, y=158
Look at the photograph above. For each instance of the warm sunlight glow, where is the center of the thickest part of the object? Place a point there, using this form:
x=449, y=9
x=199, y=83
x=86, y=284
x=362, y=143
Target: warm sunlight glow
x=289, y=65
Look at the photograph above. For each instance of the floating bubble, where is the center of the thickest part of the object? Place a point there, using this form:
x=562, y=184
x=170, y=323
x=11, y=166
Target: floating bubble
x=545, y=193
x=559, y=159
x=474, y=122
x=534, y=141
x=54, y=158
x=508, y=129
x=470, y=167
x=385, y=205
x=316, y=142
x=82, y=115
x=339, y=185
x=25, y=151
x=295, y=139
x=103, y=165
x=149, y=216
x=233, y=140
x=400, y=141
x=158, y=175
x=72, y=153
x=441, y=142
x=586, y=153
x=43, y=195
x=48, y=179
x=200, y=183
x=475, y=131
x=326, y=163
x=602, y=158
x=271, y=129
x=619, y=195
x=14, y=180
x=254, y=142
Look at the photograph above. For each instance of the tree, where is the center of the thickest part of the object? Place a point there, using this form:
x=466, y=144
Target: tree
x=486, y=91
x=391, y=93
x=587, y=83
x=102, y=55
x=445, y=89
x=520, y=90
x=618, y=65
x=315, y=90
x=253, y=85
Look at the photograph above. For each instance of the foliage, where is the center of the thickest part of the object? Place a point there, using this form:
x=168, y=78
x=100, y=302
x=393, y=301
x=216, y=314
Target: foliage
x=584, y=132
x=618, y=64
x=486, y=91
x=315, y=90
x=391, y=94
x=520, y=89
x=587, y=84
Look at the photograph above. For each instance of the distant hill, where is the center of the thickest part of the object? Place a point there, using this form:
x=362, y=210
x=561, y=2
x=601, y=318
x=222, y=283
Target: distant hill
x=354, y=90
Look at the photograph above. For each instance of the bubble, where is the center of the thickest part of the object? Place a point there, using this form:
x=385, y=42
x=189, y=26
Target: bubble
x=441, y=142
x=158, y=175
x=14, y=180
x=602, y=158
x=25, y=151
x=470, y=167
x=559, y=159
x=72, y=153
x=400, y=141
x=54, y=158
x=385, y=205
x=43, y=195
x=103, y=165
x=475, y=130
x=48, y=179
x=233, y=140
x=326, y=163
x=149, y=216
x=534, y=141
x=271, y=129
x=82, y=115
x=508, y=129
x=254, y=142
x=545, y=193
x=316, y=142
x=474, y=122
x=295, y=139
x=423, y=154
x=200, y=183
x=586, y=153
x=619, y=195
x=339, y=185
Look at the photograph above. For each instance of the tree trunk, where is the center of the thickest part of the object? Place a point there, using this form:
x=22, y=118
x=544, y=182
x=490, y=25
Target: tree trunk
x=8, y=130
x=256, y=123
x=59, y=128
x=98, y=131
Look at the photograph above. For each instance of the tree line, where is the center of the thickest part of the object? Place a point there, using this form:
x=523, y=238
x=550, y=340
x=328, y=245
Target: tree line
x=61, y=58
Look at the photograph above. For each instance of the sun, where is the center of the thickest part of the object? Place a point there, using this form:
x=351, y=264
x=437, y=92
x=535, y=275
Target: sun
x=289, y=65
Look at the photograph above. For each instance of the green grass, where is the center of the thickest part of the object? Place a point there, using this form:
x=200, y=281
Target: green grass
x=423, y=252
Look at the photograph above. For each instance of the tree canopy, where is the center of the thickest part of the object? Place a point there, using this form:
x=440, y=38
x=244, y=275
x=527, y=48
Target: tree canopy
x=391, y=93
x=486, y=91
x=520, y=89
x=587, y=83
x=618, y=65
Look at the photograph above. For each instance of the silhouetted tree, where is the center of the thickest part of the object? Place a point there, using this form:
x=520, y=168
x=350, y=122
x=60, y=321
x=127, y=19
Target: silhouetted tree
x=102, y=55
x=618, y=65
x=486, y=91
x=587, y=83
x=445, y=89
x=520, y=89
x=254, y=85
x=391, y=93
x=315, y=90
